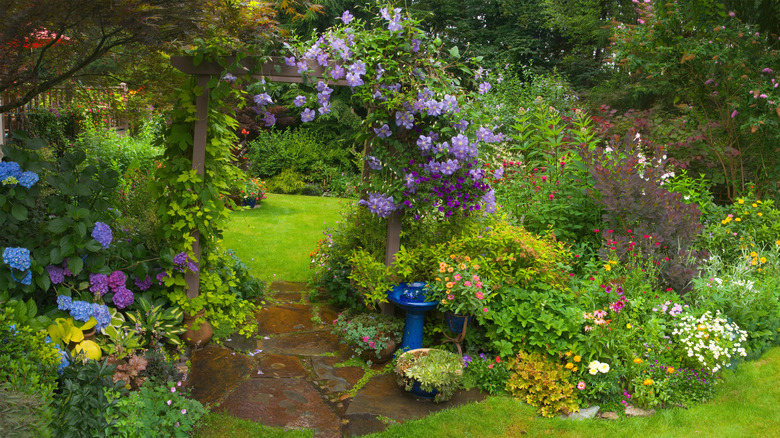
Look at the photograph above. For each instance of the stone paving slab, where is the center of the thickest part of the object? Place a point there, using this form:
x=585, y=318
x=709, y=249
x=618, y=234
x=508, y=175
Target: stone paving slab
x=316, y=343
x=284, y=318
x=215, y=371
x=337, y=379
x=288, y=403
x=279, y=366
x=382, y=396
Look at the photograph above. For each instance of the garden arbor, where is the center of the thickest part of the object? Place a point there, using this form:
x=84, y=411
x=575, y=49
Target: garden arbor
x=272, y=70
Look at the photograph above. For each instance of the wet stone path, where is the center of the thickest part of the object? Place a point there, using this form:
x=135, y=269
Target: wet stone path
x=287, y=376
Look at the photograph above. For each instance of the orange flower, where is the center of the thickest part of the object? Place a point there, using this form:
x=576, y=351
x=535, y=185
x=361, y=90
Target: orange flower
x=638, y=360
x=670, y=370
x=569, y=366
x=577, y=358
x=647, y=382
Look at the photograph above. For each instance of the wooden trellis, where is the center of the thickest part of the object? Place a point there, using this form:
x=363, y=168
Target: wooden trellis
x=273, y=70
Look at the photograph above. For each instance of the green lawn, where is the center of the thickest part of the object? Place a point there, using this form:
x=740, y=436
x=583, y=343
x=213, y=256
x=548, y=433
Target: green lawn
x=275, y=238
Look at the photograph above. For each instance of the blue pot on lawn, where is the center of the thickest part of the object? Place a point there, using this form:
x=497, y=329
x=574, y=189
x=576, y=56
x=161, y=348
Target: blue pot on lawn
x=249, y=202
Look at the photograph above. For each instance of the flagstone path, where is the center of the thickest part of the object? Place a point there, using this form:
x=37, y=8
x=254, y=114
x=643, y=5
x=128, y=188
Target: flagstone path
x=287, y=376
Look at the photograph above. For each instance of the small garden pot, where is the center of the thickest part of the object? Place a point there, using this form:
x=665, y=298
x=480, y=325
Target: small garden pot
x=456, y=322
x=198, y=331
x=249, y=202
x=384, y=356
x=430, y=373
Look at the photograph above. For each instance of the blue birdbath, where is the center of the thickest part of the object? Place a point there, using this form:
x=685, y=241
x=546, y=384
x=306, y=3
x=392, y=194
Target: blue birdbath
x=411, y=298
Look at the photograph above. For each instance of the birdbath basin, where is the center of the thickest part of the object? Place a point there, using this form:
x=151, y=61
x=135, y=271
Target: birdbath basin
x=411, y=298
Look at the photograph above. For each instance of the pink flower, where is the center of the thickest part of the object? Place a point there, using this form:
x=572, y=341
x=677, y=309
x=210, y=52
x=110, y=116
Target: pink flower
x=450, y=297
x=184, y=412
x=581, y=386
x=490, y=366
x=365, y=338
x=734, y=113
x=479, y=295
x=371, y=344
x=173, y=389
x=485, y=310
x=458, y=277
x=467, y=283
x=588, y=328
x=169, y=402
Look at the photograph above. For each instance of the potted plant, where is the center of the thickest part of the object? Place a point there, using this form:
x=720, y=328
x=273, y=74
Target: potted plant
x=372, y=336
x=253, y=192
x=460, y=291
x=430, y=373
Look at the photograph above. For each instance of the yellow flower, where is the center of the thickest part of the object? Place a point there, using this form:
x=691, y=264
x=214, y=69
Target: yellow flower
x=741, y=201
x=628, y=326
x=450, y=269
x=647, y=382
x=670, y=370
x=753, y=254
x=763, y=259
x=442, y=265
x=452, y=256
x=613, y=262
x=577, y=358
x=754, y=262
x=438, y=279
x=755, y=205
x=700, y=327
x=638, y=360
x=462, y=266
x=777, y=243
x=567, y=354
x=442, y=270
x=467, y=258
x=737, y=220
x=760, y=214
x=607, y=267
x=574, y=369
x=449, y=285
x=446, y=278
x=569, y=366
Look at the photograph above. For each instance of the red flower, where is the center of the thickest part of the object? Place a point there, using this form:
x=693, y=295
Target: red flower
x=498, y=359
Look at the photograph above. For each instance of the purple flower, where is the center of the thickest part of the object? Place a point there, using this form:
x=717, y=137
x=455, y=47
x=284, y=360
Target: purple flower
x=354, y=80
x=394, y=26
x=383, y=131
x=102, y=233
x=767, y=70
x=378, y=204
x=734, y=114
x=263, y=99
x=424, y=143
x=144, y=284
x=229, y=77
x=324, y=109
x=484, y=87
x=307, y=115
x=373, y=162
x=116, y=280
x=269, y=119
x=98, y=283
x=160, y=277
x=123, y=298
x=489, y=201
x=337, y=72
x=346, y=17
x=289, y=61
x=415, y=45
x=449, y=167
x=405, y=119
x=56, y=274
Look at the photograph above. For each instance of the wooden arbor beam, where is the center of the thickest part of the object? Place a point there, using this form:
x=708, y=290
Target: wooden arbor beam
x=274, y=70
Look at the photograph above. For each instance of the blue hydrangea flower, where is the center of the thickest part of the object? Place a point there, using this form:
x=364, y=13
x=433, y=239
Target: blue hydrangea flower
x=64, y=302
x=81, y=310
x=102, y=233
x=27, y=280
x=102, y=315
x=10, y=169
x=17, y=258
x=28, y=179
x=64, y=362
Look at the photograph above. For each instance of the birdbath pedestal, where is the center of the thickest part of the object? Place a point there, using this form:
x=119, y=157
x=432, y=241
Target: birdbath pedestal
x=411, y=298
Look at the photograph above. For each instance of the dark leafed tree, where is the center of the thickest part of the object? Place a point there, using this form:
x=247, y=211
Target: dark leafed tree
x=46, y=42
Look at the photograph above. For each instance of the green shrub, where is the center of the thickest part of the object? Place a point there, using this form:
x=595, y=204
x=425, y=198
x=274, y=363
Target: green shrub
x=289, y=182
x=485, y=373
x=747, y=225
x=81, y=403
x=156, y=409
x=541, y=383
x=28, y=374
x=120, y=152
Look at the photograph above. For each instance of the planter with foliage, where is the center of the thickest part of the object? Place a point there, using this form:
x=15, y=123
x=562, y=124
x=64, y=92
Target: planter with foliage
x=372, y=336
x=430, y=373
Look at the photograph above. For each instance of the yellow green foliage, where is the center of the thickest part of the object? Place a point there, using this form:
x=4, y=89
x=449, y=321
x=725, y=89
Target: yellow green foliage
x=542, y=384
